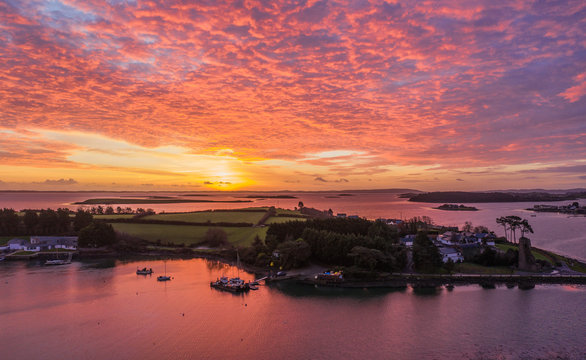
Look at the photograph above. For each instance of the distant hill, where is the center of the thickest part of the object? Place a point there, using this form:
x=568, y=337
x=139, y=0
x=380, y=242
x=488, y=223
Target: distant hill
x=484, y=197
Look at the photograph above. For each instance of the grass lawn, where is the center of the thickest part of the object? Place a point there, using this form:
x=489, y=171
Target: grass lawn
x=282, y=219
x=538, y=255
x=211, y=216
x=469, y=268
x=240, y=236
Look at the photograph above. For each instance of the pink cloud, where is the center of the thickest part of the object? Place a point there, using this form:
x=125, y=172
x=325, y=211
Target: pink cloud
x=456, y=84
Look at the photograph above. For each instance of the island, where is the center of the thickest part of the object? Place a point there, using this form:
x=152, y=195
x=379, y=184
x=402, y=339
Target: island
x=486, y=197
x=455, y=207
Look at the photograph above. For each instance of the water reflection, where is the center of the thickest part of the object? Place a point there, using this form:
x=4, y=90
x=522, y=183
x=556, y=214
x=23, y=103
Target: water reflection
x=95, y=307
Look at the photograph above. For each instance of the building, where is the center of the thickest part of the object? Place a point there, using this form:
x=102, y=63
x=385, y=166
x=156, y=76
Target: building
x=448, y=253
x=43, y=243
x=407, y=240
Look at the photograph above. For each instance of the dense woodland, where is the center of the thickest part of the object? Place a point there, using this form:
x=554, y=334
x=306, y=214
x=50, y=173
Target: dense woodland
x=91, y=233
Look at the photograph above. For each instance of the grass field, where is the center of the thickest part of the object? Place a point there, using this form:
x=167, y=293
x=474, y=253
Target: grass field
x=211, y=216
x=188, y=235
x=536, y=254
x=282, y=219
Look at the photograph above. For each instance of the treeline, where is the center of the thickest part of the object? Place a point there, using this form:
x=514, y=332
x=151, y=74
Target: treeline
x=43, y=222
x=35, y=222
x=335, y=241
x=293, y=229
x=109, y=210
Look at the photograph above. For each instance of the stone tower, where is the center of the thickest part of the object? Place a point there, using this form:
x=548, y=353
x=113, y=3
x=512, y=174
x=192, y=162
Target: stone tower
x=526, y=259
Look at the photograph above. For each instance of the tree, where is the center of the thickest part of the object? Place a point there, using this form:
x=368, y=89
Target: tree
x=109, y=210
x=525, y=227
x=31, y=220
x=426, y=256
x=63, y=220
x=503, y=221
x=216, y=237
x=467, y=226
x=380, y=228
x=300, y=205
x=481, y=229
x=366, y=258
x=82, y=219
x=9, y=221
x=293, y=254
x=97, y=234
x=48, y=221
x=514, y=223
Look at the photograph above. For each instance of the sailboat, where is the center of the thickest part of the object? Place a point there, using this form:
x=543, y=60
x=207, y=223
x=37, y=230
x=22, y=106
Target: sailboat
x=164, y=277
x=60, y=261
x=233, y=284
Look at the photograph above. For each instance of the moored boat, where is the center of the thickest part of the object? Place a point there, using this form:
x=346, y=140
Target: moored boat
x=144, y=271
x=164, y=277
x=230, y=284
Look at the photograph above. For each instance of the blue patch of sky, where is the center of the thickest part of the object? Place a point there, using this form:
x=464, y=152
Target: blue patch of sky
x=59, y=12
x=121, y=2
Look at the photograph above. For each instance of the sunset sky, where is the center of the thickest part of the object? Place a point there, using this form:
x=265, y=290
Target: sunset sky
x=298, y=95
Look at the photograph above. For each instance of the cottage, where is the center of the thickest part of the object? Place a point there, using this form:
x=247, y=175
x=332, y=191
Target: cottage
x=55, y=242
x=17, y=244
x=407, y=240
x=448, y=253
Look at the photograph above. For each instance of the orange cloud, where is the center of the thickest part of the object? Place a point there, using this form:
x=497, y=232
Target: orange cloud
x=401, y=85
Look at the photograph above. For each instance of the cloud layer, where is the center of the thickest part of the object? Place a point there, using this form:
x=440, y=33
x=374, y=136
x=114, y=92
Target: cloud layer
x=348, y=90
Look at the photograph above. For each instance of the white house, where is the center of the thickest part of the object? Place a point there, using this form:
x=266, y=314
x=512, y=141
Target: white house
x=408, y=240
x=448, y=253
x=55, y=242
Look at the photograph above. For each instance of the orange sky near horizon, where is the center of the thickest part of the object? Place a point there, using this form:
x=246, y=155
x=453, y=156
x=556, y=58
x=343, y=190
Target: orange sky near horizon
x=292, y=95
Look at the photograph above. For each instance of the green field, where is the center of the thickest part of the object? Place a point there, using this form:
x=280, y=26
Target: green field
x=536, y=254
x=211, y=216
x=282, y=219
x=288, y=212
x=188, y=235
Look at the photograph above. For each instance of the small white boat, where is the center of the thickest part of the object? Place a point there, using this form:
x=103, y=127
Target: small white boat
x=164, y=277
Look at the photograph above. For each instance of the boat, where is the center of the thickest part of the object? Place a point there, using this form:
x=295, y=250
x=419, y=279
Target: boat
x=235, y=284
x=144, y=271
x=60, y=261
x=164, y=277
x=253, y=287
x=231, y=284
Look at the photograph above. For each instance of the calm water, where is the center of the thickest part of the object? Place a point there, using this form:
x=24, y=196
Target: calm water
x=557, y=232
x=82, y=312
